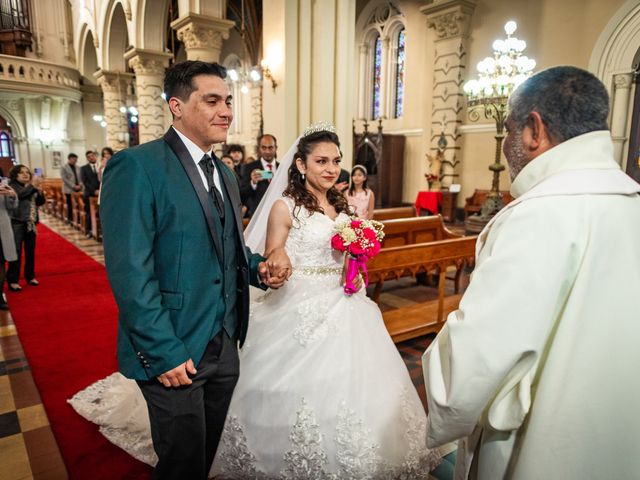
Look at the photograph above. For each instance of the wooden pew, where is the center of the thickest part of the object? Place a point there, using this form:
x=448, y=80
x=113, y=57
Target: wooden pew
x=77, y=211
x=408, y=261
x=407, y=231
x=381, y=214
x=473, y=204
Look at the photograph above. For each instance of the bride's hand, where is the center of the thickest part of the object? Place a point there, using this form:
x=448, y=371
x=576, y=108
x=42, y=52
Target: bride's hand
x=358, y=282
x=278, y=268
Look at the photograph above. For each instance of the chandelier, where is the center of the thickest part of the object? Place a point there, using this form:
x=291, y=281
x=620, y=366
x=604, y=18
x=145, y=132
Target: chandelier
x=498, y=77
x=245, y=77
x=501, y=74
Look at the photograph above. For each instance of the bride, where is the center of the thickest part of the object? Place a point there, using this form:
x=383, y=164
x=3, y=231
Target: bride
x=323, y=392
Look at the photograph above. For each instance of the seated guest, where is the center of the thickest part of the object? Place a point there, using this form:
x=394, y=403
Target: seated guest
x=253, y=185
x=23, y=221
x=360, y=197
x=228, y=161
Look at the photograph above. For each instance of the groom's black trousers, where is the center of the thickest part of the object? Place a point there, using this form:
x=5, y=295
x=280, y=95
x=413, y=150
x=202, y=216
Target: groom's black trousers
x=187, y=422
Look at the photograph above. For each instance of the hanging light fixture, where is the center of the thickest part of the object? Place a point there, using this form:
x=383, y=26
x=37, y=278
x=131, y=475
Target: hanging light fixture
x=498, y=77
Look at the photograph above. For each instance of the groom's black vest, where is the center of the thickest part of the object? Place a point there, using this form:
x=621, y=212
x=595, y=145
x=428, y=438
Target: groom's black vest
x=229, y=242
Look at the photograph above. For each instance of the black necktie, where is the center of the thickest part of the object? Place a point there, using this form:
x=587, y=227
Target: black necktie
x=206, y=164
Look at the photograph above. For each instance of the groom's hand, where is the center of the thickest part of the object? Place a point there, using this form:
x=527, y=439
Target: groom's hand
x=179, y=375
x=278, y=268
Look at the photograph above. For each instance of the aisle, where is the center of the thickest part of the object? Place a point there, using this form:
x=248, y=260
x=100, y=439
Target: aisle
x=67, y=327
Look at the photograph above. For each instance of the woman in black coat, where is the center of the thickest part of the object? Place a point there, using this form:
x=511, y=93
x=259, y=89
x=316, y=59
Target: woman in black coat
x=23, y=221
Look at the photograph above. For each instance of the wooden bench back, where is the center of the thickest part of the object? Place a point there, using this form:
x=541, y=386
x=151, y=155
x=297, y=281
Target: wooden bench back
x=409, y=260
x=408, y=231
x=381, y=214
x=473, y=204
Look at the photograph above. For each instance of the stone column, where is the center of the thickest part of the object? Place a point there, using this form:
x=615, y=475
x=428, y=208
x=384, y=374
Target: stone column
x=622, y=83
x=450, y=21
x=202, y=35
x=149, y=67
x=114, y=93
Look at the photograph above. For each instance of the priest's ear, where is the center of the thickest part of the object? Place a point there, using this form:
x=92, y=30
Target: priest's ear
x=536, y=134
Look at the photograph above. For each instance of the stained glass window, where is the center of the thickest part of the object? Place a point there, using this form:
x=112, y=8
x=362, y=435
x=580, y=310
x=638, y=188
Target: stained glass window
x=400, y=58
x=377, y=77
x=6, y=147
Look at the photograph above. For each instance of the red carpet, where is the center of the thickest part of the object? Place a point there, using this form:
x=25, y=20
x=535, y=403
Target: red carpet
x=67, y=327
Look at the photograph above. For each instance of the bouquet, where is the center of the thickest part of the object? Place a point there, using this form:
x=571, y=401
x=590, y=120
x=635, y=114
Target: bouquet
x=360, y=239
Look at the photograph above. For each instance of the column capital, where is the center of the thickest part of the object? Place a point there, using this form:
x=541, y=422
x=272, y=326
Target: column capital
x=113, y=82
x=449, y=18
x=202, y=32
x=147, y=62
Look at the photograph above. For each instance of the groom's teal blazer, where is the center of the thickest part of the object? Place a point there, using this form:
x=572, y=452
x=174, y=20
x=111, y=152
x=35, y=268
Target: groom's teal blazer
x=163, y=256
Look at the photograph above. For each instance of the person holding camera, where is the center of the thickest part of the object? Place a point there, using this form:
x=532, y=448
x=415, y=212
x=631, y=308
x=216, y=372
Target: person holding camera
x=8, y=202
x=255, y=184
x=23, y=221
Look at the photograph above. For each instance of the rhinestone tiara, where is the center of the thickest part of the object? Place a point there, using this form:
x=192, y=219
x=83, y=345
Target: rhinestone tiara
x=319, y=127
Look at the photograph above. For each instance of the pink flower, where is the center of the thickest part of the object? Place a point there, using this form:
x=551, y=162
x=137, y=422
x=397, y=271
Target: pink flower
x=356, y=249
x=369, y=234
x=337, y=243
x=356, y=223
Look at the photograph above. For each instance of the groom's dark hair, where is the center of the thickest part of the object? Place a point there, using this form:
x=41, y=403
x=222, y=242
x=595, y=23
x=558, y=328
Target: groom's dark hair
x=178, y=79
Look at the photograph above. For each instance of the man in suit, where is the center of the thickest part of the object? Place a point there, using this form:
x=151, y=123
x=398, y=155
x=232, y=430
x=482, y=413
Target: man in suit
x=91, y=182
x=70, y=182
x=253, y=186
x=180, y=272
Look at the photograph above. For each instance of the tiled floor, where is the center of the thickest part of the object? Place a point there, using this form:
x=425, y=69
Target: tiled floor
x=27, y=445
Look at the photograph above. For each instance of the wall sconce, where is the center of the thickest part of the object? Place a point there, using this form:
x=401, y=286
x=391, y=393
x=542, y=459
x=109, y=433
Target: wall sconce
x=48, y=137
x=266, y=73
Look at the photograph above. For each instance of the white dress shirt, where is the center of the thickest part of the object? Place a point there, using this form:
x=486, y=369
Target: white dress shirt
x=196, y=155
x=264, y=167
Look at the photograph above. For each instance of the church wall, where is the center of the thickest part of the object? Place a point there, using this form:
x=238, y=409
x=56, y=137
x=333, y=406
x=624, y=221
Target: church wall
x=557, y=33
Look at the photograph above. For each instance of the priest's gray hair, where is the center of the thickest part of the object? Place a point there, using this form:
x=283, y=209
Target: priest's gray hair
x=571, y=102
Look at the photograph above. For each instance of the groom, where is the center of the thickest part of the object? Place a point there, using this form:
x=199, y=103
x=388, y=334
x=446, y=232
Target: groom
x=180, y=272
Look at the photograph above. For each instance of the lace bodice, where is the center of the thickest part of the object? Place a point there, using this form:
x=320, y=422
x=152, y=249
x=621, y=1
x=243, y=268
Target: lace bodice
x=309, y=242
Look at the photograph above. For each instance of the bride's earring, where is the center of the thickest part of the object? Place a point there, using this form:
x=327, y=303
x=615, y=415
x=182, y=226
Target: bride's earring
x=303, y=177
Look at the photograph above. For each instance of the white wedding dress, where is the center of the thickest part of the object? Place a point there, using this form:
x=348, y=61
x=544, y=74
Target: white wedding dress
x=322, y=393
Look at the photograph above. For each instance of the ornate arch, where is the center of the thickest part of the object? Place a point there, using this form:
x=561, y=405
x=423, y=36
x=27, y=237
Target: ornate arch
x=612, y=61
x=113, y=43
x=84, y=44
x=151, y=21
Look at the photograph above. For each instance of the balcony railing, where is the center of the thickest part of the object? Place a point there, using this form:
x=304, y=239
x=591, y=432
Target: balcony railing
x=27, y=74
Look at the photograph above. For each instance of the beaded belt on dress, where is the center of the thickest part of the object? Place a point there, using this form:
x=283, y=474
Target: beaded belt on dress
x=311, y=270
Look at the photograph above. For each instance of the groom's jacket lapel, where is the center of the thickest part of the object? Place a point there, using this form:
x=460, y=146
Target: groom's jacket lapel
x=180, y=151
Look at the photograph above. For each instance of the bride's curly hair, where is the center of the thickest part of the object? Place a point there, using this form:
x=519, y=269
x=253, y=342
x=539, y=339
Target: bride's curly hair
x=296, y=188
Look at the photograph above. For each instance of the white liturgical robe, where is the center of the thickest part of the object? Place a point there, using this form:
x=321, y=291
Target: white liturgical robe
x=537, y=372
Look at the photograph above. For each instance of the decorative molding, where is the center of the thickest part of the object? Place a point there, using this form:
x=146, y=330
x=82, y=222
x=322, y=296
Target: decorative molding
x=477, y=128
x=201, y=31
x=622, y=80
x=449, y=18
x=146, y=62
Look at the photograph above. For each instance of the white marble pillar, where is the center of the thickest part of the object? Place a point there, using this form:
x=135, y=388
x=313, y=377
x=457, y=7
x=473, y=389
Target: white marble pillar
x=149, y=67
x=202, y=35
x=114, y=92
x=622, y=83
x=450, y=21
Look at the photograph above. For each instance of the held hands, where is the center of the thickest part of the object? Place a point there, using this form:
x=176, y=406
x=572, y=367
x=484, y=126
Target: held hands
x=179, y=375
x=276, y=270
